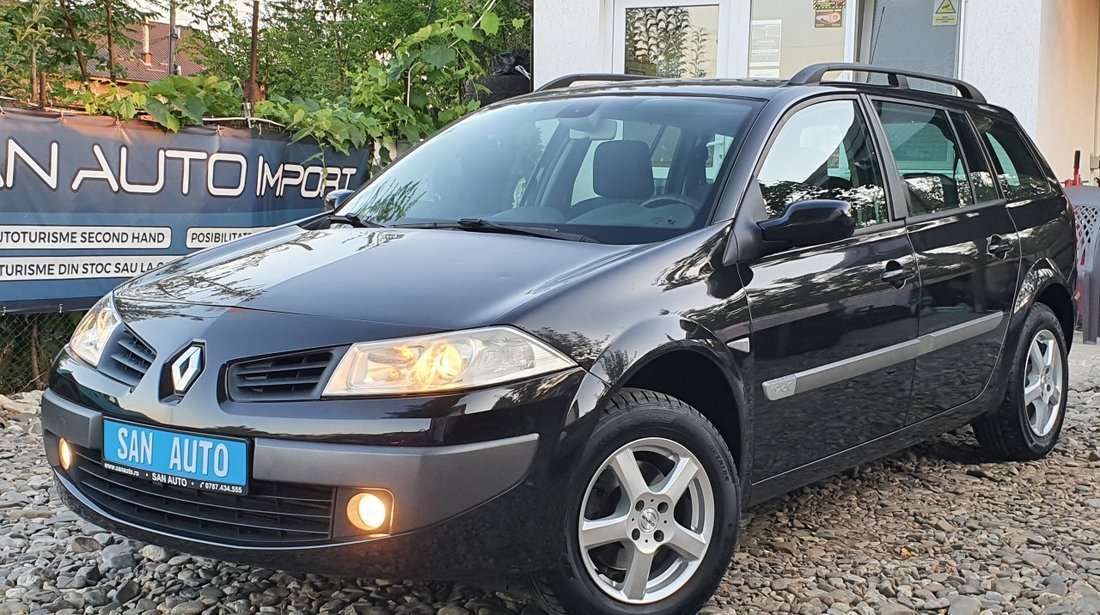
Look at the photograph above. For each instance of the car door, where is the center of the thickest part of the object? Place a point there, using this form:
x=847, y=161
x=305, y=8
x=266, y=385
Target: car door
x=834, y=325
x=967, y=251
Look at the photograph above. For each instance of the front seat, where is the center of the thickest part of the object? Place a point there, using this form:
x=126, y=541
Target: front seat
x=622, y=173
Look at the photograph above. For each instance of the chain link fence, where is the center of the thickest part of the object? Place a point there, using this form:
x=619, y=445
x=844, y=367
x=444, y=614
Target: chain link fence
x=28, y=345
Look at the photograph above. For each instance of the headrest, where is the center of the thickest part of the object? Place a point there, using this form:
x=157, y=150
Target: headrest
x=622, y=170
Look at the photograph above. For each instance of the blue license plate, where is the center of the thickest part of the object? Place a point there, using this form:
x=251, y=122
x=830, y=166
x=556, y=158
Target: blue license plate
x=176, y=458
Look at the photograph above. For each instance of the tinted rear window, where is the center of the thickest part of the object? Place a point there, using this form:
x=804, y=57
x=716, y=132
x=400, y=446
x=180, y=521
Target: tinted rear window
x=1020, y=174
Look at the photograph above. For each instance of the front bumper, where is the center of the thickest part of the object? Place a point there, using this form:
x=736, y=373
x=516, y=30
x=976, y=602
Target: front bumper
x=465, y=510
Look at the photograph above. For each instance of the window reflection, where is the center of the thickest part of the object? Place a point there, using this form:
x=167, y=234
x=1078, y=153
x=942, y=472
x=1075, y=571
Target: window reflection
x=927, y=156
x=1019, y=172
x=672, y=41
x=825, y=152
x=611, y=168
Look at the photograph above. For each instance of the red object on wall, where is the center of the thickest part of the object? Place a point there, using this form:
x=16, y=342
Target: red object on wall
x=1076, y=179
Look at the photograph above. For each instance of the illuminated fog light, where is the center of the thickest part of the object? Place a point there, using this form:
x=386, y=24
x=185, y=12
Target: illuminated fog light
x=65, y=453
x=369, y=511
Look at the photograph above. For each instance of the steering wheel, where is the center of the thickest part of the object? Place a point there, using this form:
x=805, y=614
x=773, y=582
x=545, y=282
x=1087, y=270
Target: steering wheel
x=662, y=199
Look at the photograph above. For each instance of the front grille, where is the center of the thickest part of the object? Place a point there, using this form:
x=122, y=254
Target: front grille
x=272, y=514
x=129, y=358
x=281, y=378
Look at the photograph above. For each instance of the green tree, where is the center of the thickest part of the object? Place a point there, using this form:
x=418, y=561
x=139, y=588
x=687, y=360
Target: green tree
x=57, y=40
x=308, y=48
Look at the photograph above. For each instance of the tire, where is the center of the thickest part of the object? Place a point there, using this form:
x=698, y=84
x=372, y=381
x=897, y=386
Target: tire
x=500, y=87
x=1024, y=428
x=665, y=437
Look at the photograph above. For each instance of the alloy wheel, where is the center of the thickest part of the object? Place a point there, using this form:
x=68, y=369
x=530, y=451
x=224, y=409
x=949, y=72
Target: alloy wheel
x=1043, y=383
x=646, y=521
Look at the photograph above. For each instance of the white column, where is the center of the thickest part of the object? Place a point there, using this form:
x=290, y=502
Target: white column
x=571, y=36
x=1040, y=59
x=1000, y=54
x=1068, y=107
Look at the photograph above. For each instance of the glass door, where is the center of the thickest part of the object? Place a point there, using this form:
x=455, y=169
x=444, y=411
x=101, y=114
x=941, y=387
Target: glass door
x=732, y=38
x=788, y=35
x=672, y=38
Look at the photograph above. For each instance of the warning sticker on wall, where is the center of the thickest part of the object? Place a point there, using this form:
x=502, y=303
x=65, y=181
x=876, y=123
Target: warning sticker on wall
x=945, y=14
x=829, y=13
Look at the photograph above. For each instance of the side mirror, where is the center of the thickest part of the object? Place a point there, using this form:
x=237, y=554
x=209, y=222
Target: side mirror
x=810, y=223
x=336, y=198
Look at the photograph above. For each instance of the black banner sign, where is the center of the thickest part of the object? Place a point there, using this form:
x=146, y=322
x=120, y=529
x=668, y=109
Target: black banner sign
x=87, y=202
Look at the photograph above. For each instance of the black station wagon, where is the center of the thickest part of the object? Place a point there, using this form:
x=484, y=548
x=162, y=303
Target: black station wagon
x=570, y=338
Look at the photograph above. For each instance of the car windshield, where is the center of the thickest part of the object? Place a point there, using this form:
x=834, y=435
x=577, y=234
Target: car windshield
x=614, y=169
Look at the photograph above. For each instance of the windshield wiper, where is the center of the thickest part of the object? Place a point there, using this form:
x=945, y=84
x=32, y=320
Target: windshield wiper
x=488, y=226
x=354, y=220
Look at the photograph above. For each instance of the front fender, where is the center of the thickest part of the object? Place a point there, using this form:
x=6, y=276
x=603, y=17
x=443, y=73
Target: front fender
x=652, y=339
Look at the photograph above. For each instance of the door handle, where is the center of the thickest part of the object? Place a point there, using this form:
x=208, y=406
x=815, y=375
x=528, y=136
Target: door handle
x=896, y=275
x=998, y=246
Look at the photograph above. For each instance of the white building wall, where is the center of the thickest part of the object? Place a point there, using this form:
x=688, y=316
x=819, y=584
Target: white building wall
x=1000, y=54
x=1038, y=58
x=571, y=36
x=1069, y=73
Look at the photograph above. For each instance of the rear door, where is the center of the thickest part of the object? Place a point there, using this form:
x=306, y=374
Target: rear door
x=833, y=325
x=967, y=251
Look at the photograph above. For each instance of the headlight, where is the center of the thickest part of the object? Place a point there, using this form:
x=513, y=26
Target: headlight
x=94, y=330
x=443, y=362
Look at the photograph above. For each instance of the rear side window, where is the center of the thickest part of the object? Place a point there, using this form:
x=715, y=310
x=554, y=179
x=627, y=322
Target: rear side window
x=981, y=178
x=1020, y=174
x=928, y=157
x=825, y=152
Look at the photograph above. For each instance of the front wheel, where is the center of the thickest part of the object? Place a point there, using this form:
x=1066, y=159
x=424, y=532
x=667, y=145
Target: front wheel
x=1028, y=422
x=652, y=519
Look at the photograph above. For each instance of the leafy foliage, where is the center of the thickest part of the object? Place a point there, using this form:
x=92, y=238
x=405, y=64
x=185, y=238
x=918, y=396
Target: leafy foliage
x=419, y=88
x=310, y=48
x=329, y=125
x=340, y=73
x=172, y=102
x=663, y=42
x=175, y=102
x=57, y=39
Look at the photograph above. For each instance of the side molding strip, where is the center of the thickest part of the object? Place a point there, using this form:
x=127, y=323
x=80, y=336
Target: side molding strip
x=852, y=367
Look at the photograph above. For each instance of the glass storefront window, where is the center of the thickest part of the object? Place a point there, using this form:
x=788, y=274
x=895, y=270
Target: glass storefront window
x=672, y=41
x=788, y=35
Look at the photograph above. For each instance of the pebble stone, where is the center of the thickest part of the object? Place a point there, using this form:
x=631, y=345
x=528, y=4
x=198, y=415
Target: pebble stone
x=938, y=529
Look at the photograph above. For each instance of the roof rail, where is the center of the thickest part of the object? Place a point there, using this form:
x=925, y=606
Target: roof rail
x=568, y=80
x=813, y=74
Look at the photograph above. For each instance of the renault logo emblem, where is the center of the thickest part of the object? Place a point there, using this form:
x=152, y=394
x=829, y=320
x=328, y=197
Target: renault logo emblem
x=186, y=369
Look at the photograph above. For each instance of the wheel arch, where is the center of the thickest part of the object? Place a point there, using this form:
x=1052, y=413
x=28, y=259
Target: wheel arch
x=684, y=360
x=1058, y=299
x=1044, y=283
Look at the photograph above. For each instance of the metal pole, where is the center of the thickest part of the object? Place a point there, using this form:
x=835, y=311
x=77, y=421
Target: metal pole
x=110, y=42
x=253, y=86
x=172, y=37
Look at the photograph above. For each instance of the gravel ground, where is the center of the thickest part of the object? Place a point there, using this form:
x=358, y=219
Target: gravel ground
x=935, y=529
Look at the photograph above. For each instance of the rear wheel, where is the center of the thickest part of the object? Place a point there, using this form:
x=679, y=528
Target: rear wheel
x=1028, y=422
x=653, y=517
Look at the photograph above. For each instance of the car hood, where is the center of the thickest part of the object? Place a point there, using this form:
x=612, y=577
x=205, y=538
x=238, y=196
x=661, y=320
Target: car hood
x=427, y=278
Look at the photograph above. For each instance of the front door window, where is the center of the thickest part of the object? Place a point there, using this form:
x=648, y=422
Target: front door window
x=825, y=152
